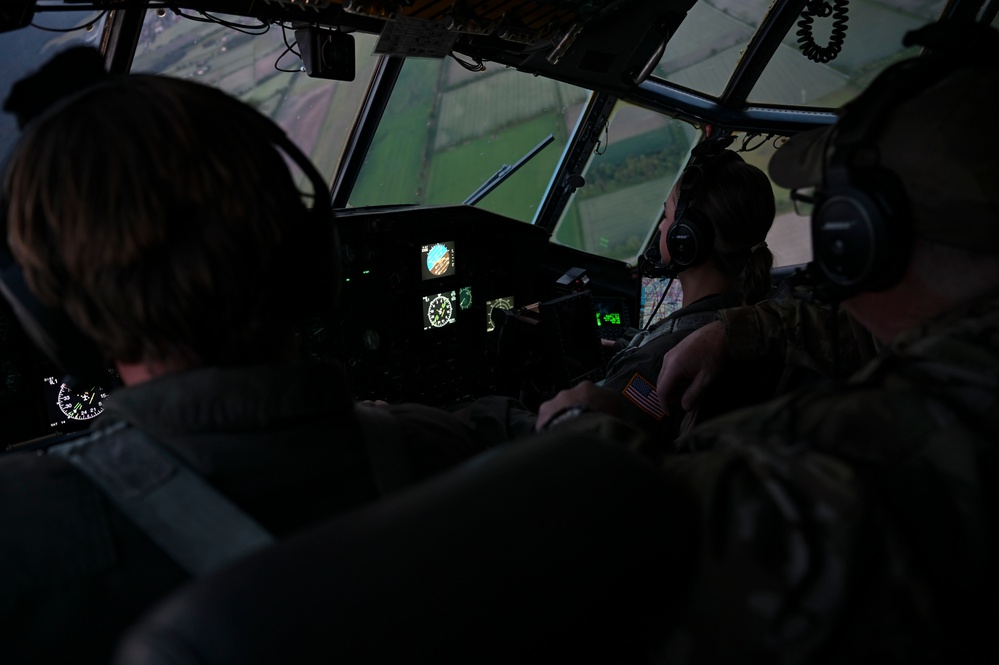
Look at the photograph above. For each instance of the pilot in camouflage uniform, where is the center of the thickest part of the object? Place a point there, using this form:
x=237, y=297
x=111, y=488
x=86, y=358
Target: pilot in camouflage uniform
x=885, y=482
x=712, y=238
x=780, y=344
x=728, y=205
x=858, y=522
x=195, y=293
x=632, y=372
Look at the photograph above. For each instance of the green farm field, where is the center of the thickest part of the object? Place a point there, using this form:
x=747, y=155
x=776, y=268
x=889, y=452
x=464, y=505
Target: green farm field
x=394, y=165
x=458, y=172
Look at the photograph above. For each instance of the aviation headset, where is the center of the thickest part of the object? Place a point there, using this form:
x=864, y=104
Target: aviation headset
x=861, y=236
x=861, y=227
x=73, y=352
x=690, y=238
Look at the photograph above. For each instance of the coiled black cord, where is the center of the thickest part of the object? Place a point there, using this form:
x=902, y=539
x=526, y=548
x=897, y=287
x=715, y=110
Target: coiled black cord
x=806, y=40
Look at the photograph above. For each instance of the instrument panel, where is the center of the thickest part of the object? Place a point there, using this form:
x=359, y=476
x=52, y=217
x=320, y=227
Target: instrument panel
x=420, y=289
x=34, y=401
x=424, y=295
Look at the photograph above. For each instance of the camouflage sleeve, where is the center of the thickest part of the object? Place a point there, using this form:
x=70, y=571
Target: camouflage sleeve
x=497, y=419
x=780, y=531
x=606, y=428
x=803, y=334
x=434, y=439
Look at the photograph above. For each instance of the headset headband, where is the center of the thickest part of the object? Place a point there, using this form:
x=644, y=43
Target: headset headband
x=73, y=352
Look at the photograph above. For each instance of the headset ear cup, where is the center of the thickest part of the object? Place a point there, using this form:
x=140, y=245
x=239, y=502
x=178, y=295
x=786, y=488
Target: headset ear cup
x=313, y=289
x=860, y=233
x=689, y=240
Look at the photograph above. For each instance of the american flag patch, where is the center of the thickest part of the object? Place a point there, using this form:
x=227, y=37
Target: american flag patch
x=643, y=395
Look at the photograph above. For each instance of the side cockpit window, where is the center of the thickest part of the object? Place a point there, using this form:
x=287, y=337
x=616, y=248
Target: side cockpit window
x=638, y=158
x=260, y=64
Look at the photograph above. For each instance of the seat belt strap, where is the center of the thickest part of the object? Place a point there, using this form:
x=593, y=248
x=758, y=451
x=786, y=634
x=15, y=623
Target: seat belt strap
x=200, y=528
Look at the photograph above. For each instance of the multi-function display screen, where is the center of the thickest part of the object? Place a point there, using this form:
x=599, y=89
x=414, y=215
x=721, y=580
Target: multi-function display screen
x=612, y=316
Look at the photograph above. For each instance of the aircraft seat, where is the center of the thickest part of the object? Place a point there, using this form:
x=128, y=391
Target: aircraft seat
x=564, y=548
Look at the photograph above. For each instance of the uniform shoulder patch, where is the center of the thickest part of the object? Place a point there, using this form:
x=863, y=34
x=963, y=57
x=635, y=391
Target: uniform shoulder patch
x=642, y=394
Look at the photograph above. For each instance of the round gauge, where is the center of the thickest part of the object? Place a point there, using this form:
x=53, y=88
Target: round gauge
x=439, y=312
x=502, y=303
x=81, y=405
x=438, y=260
x=499, y=303
x=465, y=297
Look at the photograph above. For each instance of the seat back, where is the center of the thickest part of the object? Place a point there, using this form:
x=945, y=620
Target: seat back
x=556, y=549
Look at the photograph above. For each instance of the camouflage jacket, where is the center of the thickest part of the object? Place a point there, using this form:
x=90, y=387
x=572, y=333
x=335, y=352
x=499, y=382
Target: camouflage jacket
x=856, y=522
x=816, y=339
x=632, y=374
x=633, y=371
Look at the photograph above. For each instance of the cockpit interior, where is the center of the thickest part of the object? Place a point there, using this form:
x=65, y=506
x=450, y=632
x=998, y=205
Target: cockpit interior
x=497, y=168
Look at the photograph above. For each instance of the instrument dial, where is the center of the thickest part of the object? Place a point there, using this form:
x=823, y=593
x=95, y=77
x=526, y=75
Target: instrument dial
x=439, y=260
x=81, y=405
x=440, y=311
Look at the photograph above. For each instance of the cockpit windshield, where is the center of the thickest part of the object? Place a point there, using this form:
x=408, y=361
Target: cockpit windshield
x=845, y=45
x=474, y=96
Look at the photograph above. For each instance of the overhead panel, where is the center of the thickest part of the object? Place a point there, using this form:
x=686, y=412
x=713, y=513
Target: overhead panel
x=611, y=45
